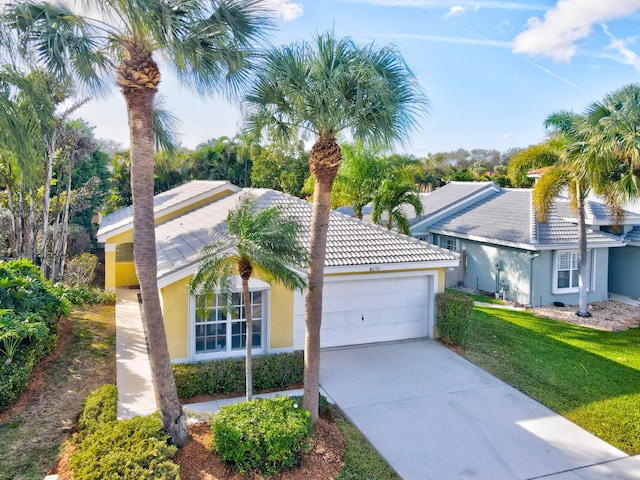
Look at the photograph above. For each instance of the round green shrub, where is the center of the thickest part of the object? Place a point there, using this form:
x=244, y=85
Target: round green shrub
x=265, y=435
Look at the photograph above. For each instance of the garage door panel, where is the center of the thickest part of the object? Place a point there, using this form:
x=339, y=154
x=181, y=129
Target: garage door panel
x=394, y=308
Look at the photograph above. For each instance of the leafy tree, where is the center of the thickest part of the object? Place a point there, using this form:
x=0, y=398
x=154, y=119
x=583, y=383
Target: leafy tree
x=324, y=88
x=209, y=44
x=223, y=158
x=265, y=241
x=434, y=172
x=531, y=158
x=282, y=166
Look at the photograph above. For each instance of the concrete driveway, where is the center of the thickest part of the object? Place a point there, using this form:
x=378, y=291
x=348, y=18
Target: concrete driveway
x=434, y=415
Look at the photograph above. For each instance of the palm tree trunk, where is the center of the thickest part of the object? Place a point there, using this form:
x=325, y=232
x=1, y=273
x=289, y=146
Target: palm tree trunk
x=249, y=331
x=139, y=109
x=324, y=161
x=582, y=257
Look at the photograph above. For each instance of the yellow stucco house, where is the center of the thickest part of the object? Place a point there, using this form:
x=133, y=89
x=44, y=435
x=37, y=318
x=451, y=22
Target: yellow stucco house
x=379, y=285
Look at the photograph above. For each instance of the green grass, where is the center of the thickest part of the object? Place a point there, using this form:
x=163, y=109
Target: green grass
x=589, y=376
x=477, y=297
x=361, y=460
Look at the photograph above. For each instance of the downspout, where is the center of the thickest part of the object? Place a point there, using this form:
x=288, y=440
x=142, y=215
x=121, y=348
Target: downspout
x=532, y=257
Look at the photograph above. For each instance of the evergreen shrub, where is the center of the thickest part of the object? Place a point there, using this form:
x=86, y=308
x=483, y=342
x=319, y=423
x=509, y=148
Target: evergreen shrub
x=453, y=317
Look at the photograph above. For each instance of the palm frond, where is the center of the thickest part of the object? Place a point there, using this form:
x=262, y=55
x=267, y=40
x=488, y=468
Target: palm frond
x=165, y=127
x=546, y=189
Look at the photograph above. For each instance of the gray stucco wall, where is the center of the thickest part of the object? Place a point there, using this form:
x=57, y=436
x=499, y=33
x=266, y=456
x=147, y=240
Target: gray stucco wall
x=482, y=273
x=624, y=271
x=518, y=267
x=543, y=280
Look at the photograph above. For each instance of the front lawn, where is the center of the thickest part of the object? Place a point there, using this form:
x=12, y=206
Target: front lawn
x=589, y=376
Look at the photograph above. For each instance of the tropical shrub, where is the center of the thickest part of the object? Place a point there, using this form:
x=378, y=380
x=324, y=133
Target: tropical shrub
x=29, y=313
x=127, y=449
x=265, y=435
x=453, y=316
x=100, y=407
x=227, y=376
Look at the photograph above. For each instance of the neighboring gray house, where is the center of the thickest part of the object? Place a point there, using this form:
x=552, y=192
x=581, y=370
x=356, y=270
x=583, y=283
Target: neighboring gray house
x=509, y=252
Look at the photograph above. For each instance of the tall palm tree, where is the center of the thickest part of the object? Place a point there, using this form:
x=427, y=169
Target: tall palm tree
x=323, y=88
x=265, y=241
x=572, y=173
x=393, y=193
x=614, y=140
x=210, y=46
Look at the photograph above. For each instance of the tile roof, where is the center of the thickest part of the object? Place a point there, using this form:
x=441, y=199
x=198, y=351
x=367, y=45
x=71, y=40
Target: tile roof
x=633, y=236
x=163, y=202
x=350, y=242
x=506, y=217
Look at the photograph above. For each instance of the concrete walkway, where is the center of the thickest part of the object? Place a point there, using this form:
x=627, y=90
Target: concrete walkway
x=133, y=370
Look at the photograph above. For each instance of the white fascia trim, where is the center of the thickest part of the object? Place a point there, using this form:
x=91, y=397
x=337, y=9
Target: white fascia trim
x=128, y=225
x=394, y=269
x=524, y=246
x=110, y=247
x=456, y=205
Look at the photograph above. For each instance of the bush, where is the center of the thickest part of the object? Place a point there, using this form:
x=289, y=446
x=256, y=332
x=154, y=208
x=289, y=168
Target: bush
x=100, y=407
x=266, y=435
x=80, y=271
x=453, y=313
x=227, y=376
x=84, y=295
x=128, y=449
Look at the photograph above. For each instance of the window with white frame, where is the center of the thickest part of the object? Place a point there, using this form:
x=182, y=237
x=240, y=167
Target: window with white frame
x=450, y=243
x=567, y=270
x=565, y=273
x=220, y=322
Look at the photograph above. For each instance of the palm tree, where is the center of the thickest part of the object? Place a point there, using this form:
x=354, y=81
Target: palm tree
x=324, y=88
x=390, y=198
x=265, y=241
x=614, y=139
x=209, y=44
x=358, y=178
x=571, y=172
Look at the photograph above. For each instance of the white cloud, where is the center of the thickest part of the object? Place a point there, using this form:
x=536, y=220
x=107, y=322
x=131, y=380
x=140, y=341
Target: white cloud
x=627, y=56
x=568, y=22
x=455, y=10
x=285, y=9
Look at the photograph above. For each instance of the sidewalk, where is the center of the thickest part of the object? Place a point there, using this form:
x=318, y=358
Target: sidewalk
x=133, y=370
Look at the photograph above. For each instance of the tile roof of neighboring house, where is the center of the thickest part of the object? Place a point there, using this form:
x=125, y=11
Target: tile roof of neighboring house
x=350, y=241
x=632, y=237
x=450, y=194
x=506, y=217
x=164, y=203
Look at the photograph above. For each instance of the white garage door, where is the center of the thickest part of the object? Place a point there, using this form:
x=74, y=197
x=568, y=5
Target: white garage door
x=370, y=310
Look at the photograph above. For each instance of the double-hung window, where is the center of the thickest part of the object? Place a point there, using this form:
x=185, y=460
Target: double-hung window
x=565, y=272
x=220, y=322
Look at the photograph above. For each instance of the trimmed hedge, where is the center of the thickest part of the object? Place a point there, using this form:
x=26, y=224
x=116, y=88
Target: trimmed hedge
x=453, y=316
x=227, y=376
x=265, y=435
x=129, y=449
x=100, y=407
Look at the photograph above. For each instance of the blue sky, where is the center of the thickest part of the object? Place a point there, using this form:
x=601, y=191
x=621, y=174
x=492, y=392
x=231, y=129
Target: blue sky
x=493, y=70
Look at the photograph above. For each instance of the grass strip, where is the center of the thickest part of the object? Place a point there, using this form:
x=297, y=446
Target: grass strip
x=589, y=376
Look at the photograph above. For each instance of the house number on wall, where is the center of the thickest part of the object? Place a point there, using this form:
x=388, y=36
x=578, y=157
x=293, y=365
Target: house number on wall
x=374, y=269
